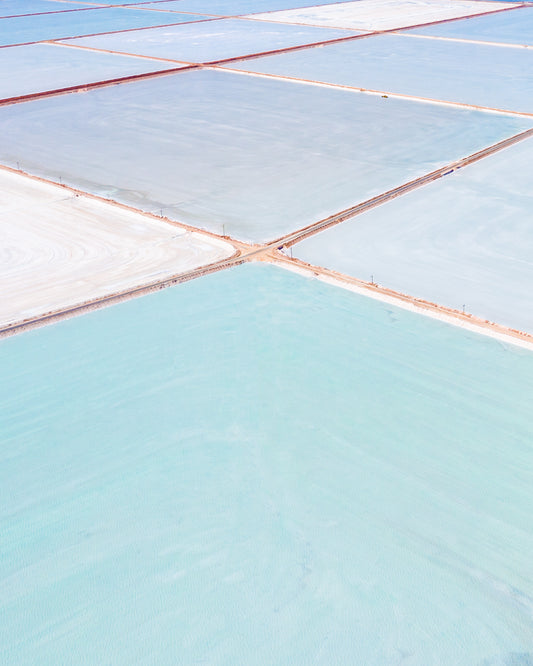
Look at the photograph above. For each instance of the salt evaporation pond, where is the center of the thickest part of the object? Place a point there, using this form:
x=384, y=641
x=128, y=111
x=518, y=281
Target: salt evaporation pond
x=514, y=27
x=26, y=29
x=257, y=468
x=210, y=40
x=406, y=65
x=465, y=240
x=17, y=8
x=35, y=68
x=250, y=157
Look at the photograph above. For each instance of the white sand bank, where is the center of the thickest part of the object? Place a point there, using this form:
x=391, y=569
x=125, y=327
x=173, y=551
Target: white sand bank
x=382, y=14
x=58, y=249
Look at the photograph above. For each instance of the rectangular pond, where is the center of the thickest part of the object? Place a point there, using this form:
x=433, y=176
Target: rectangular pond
x=25, y=7
x=36, y=68
x=466, y=239
x=251, y=157
x=406, y=65
x=514, y=27
x=27, y=29
x=258, y=468
x=212, y=40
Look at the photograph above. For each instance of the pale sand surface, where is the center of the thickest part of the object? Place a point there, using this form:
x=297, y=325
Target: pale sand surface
x=58, y=249
x=382, y=14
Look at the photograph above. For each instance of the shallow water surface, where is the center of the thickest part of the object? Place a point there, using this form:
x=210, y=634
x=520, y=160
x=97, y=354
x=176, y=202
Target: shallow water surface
x=35, y=68
x=465, y=240
x=250, y=157
x=256, y=468
x=211, y=40
x=513, y=27
x=25, y=7
x=407, y=65
x=27, y=29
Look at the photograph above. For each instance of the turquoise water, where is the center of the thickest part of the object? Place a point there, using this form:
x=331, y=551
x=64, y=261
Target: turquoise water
x=256, y=468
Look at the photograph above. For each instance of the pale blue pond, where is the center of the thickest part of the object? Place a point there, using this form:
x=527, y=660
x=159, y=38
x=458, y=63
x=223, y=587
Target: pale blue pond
x=514, y=27
x=466, y=239
x=40, y=67
x=252, y=157
x=211, y=40
x=26, y=29
x=412, y=66
x=256, y=468
x=20, y=7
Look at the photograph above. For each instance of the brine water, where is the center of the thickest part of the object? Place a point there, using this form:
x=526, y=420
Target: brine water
x=257, y=468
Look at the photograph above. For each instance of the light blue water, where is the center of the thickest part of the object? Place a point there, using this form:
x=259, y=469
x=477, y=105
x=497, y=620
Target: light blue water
x=39, y=67
x=514, y=27
x=254, y=157
x=212, y=40
x=25, y=29
x=256, y=468
x=129, y=3
x=17, y=7
x=410, y=66
x=466, y=239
